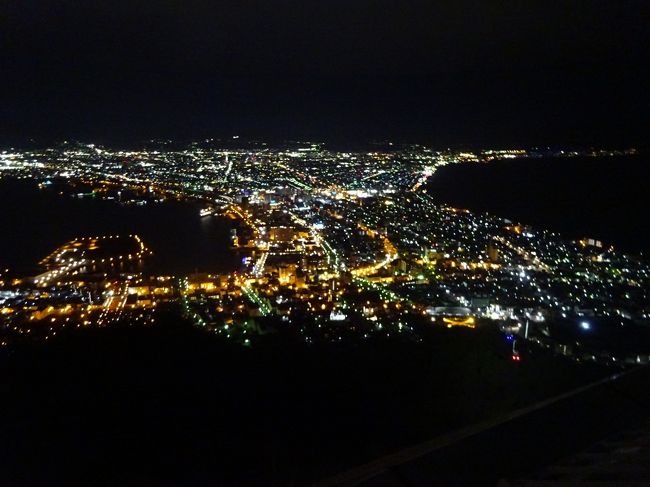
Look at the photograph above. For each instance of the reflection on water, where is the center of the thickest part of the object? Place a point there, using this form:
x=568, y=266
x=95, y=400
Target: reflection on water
x=34, y=222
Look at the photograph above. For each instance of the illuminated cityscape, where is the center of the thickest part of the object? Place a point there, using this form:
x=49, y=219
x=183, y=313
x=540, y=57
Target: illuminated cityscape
x=331, y=246
x=357, y=243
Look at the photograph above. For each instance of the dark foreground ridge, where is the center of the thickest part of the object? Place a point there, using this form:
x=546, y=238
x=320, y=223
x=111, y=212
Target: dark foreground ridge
x=555, y=442
x=171, y=405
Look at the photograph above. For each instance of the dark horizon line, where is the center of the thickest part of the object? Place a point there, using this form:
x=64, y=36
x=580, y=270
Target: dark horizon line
x=331, y=143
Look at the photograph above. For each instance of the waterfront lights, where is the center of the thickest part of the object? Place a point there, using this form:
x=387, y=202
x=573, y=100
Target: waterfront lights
x=585, y=325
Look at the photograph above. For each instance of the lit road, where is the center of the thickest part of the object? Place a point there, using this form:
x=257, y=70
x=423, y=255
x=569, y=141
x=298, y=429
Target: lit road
x=258, y=268
x=114, y=305
x=532, y=259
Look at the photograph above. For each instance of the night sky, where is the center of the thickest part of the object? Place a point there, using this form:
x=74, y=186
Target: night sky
x=448, y=73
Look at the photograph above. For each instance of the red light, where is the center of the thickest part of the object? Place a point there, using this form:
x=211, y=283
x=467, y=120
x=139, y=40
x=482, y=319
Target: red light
x=516, y=358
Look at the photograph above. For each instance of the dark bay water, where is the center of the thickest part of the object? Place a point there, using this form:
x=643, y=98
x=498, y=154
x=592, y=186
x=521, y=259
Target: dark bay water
x=605, y=198
x=33, y=222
